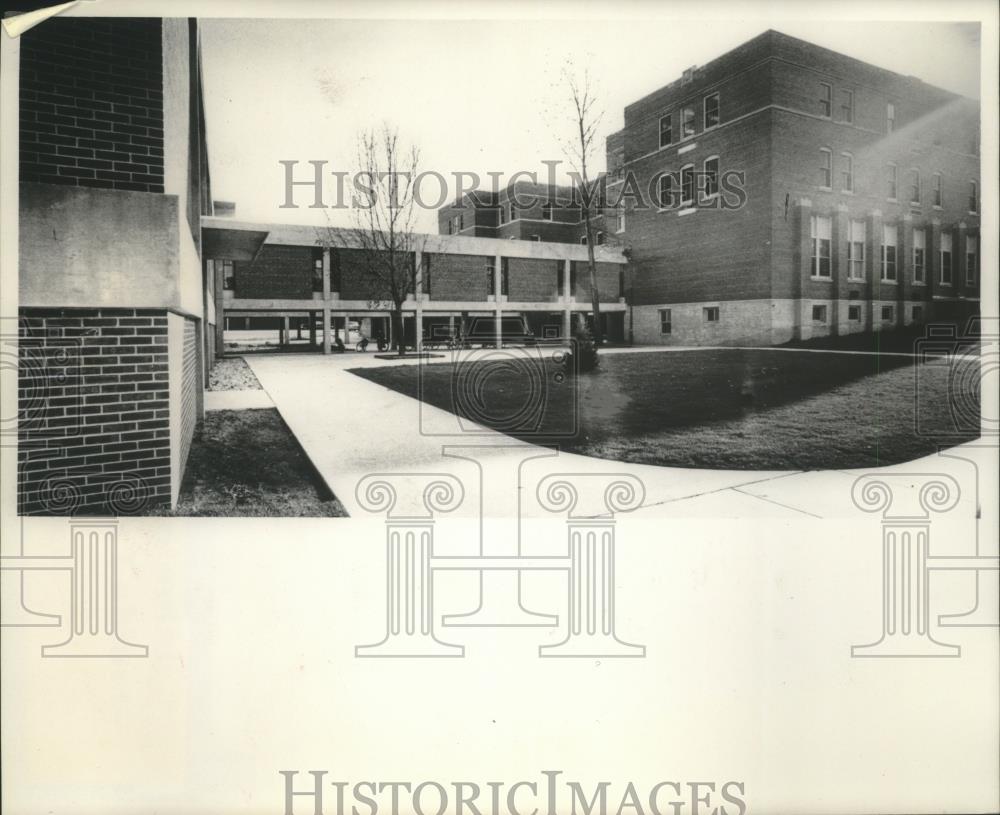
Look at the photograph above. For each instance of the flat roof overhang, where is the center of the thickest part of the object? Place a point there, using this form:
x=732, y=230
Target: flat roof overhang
x=232, y=244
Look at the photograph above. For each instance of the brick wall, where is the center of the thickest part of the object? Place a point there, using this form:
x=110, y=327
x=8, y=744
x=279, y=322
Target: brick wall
x=189, y=387
x=91, y=103
x=277, y=272
x=458, y=277
x=532, y=280
x=93, y=411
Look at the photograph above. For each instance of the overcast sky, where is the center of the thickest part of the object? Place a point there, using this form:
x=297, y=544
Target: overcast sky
x=470, y=94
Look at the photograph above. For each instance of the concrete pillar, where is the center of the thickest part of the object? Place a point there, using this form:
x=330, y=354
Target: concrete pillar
x=286, y=337
x=451, y=326
x=418, y=296
x=839, y=236
x=567, y=301
x=498, y=319
x=312, y=329
x=326, y=299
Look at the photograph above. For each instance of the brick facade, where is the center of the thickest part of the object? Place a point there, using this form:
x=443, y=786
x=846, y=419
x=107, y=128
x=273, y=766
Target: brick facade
x=93, y=403
x=91, y=103
x=277, y=272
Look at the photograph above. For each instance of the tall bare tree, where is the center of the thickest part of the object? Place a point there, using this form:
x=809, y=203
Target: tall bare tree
x=383, y=217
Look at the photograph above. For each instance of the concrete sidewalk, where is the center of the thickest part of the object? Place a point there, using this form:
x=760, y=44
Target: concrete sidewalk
x=351, y=427
x=237, y=400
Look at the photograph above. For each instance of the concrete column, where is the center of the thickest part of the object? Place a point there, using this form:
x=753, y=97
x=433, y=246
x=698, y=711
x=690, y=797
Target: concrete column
x=418, y=297
x=286, y=337
x=451, y=326
x=326, y=299
x=567, y=302
x=839, y=236
x=220, y=312
x=873, y=285
x=312, y=329
x=803, y=261
x=498, y=320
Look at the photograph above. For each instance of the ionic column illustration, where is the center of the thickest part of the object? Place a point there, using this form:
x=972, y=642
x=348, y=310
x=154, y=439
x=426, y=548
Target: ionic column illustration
x=906, y=502
x=409, y=536
x=590, y=538
x=93, y=564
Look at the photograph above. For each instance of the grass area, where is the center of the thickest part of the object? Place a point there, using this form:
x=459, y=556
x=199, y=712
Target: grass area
x=248, y=463
x=232, y=374
x=723, y=409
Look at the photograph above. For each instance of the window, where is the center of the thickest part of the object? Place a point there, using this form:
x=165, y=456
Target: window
x=229, y=274
x=687, y=122
x=892, y=181
x=536, y=238
x=620, y=225
x=503, y=214
x=856, y=250
x=599, y=238
x=936, y=189
x=825, y=99
x=711, y=314
x=666, y=326
x=451, y=226
x=546, y=212
x=971, y=256
x=666, y=130
x=504, y=276
x=890, y=117
x=687, y=185
x=461, y=221
x=973, y=197
x=710, y=180
x=847, y=172
x=711, y=110
x=914, y=186
x=819, y=314
x=820, y=232
x=491, y=279
x=825, y=168
x=917, y=313
x=888, y=314
x=854, y=314
x=665, y=191
x=583, y=240
x=513, y=211
x=919, y=256
x=317, y=275
x=889, y=238
x=945, y=258
x=847, y=106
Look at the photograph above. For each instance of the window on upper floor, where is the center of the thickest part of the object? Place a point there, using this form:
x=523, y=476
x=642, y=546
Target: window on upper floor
x=820, y=230
x=914, y=186
x=710, y=314
x=546, y=212
x=687, y=122
x=825, y=168
x=890, y=117
x=666, y=324
x=502, y=213
x=599, y=238
x=973, y=197
x=889, y=238
x=937, y=195
x=892, y=181
x=971, y=260
x=825, y=99
x=847, y=172
x=846, y=106
x=945, y=258
x=711, y=110
x=687, y=185
x=666, y=130
x=856, y=250
x=919, y=256
x=513, y=211
x=710, y=177
x=665, y=190
x=583, y=240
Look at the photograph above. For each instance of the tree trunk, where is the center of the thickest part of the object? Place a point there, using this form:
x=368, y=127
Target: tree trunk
x=595, y=295
x=397, y=330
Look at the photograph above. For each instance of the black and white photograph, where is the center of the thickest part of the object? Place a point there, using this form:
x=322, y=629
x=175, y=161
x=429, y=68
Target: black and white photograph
x=631, y=371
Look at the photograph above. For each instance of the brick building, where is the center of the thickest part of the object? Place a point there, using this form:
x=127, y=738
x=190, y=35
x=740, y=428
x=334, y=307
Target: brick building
x=115, y=312
x=859, y=209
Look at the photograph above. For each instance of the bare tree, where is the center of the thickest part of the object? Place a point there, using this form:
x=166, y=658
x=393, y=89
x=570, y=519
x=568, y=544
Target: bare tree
x=579, y=149
x=383, y=215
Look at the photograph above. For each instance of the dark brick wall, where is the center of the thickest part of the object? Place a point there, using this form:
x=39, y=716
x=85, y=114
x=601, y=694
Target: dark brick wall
x=277, y=272
x=350, y=275
x=532, y=280
x=458, y=277
x=93, y=411
x=91, y=103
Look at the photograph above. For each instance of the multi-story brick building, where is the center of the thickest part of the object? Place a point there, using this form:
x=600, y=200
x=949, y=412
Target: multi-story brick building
x=115, y=312
x=859, y=208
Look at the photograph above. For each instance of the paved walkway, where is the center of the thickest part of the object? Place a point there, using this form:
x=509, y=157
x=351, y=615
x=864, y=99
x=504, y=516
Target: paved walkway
x=237, y=400
x=351, y=427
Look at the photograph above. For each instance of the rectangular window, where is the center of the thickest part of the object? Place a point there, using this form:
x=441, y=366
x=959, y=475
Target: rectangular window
x=711, y=314
x=820, y=229
x=666, y=190
x=491, y=278
x=945, y=258
x=856, y=250
x=229, y=274
x=666, y=326
x=890, y=117
x=599, y=238
x=847, y=172
x=919, y=256
x=971, y=260
x=819, y=314
x=711, y=110
x=513, y=211
x=888, y=314
x=711, y=177
x=825, y=168
x=583, y=240
x=825, y=99
x=666, y=130
x=847, y=106
x=687, y=122
x=546, y=212
x=917, y=313
x=503, y=214
x=504, y=276
x=854, y=314
x=889, y=238
x=973, y=197
x=914, y=186
x=938, y=198
x=687, y=185
x=892, y=181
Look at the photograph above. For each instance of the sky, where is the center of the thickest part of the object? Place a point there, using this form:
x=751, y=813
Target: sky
x=477, y=95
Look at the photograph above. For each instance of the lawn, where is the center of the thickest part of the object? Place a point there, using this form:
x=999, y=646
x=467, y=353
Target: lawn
x=248, y=463
x=722, y=409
